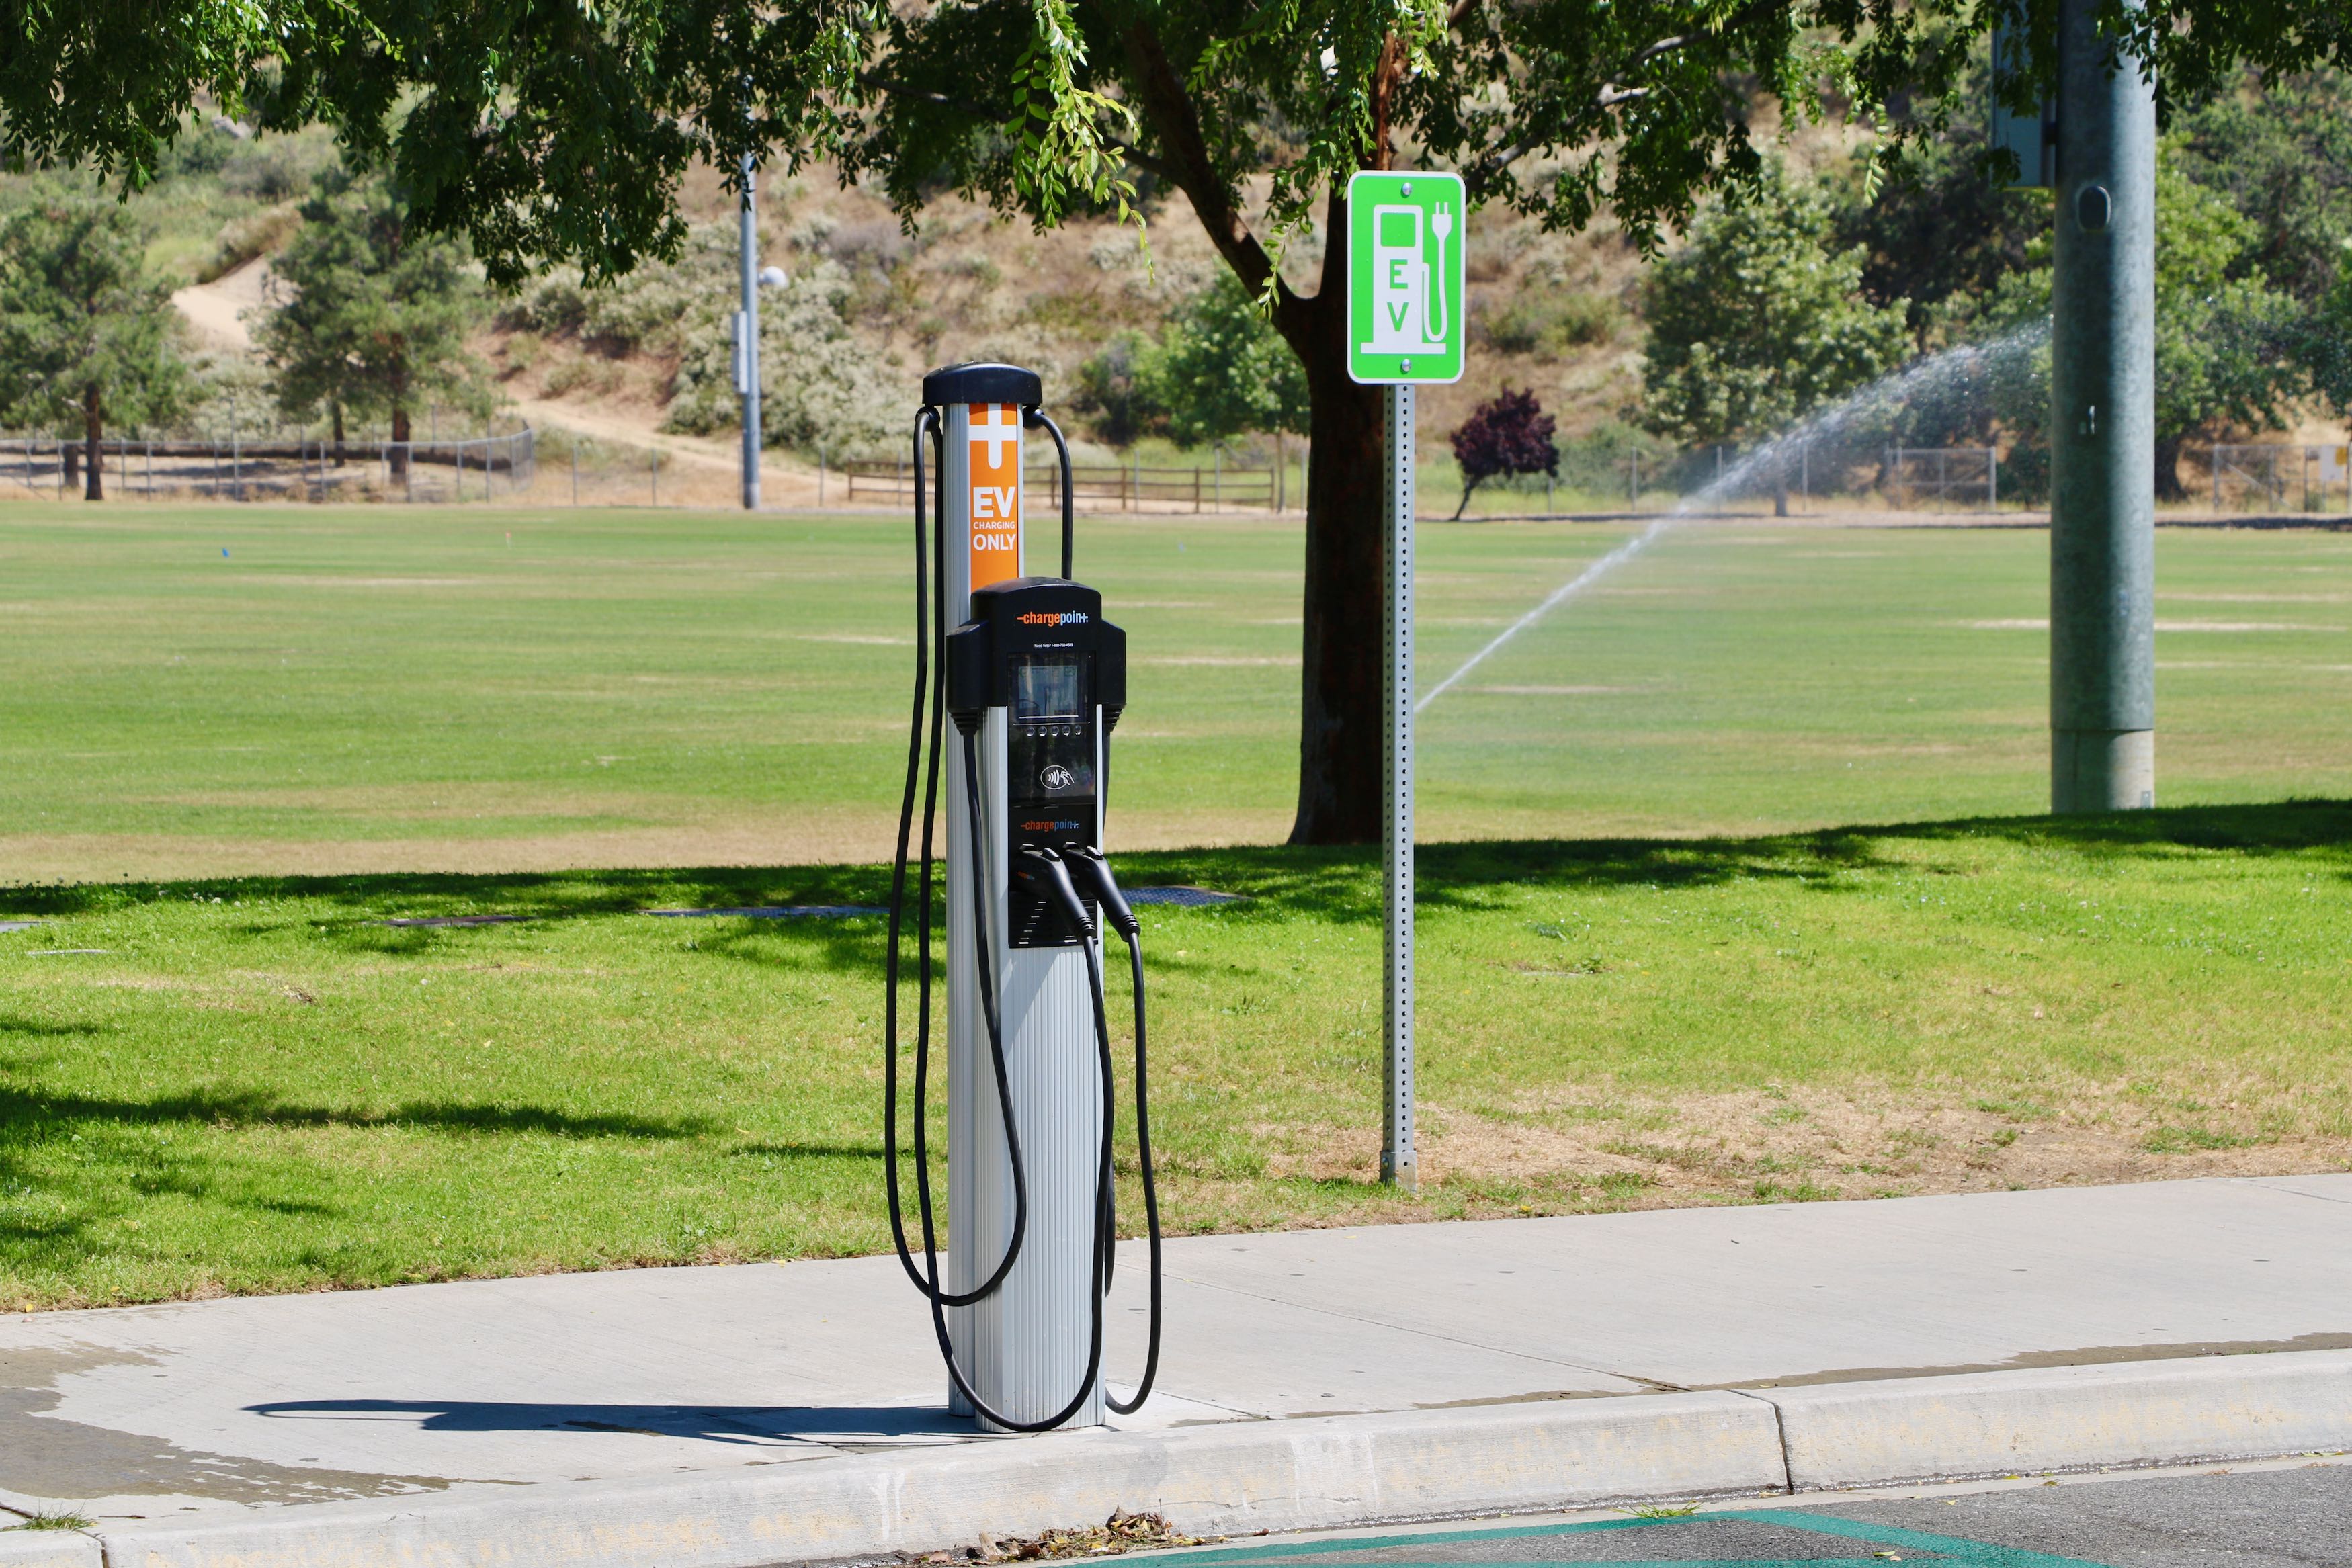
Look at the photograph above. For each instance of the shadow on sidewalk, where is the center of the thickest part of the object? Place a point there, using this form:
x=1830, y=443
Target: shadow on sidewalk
x=752, y=1425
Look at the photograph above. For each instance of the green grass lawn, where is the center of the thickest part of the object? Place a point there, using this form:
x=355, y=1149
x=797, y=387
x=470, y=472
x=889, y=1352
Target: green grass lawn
x=254, y=1086
x=1658, y=966
x=395, y=689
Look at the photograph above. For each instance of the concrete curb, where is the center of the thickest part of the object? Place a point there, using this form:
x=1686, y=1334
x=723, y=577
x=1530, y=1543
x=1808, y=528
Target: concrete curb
x=48, y=1549
x=1322, y=1472
x=2065, y=1418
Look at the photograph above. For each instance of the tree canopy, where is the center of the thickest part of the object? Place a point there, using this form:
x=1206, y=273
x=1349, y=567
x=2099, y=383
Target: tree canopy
x=1757, y=321
x=1509, y=434
x=88, y=334
x=375, y=316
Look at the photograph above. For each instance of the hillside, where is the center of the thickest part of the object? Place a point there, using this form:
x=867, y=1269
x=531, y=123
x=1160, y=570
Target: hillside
x=1552, y=312
x=637, y=375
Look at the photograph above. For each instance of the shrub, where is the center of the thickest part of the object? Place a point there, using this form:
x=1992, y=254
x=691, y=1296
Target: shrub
x=1509, y=434
x=1544, y=323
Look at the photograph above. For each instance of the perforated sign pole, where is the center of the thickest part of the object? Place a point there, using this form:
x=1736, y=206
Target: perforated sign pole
x=1405, y=295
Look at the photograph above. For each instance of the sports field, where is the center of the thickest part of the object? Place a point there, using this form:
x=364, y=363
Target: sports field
x=1661, y=963
x=286, y=689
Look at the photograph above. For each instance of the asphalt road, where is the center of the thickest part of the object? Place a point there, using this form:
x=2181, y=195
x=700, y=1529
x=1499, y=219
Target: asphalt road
x=2271, y=1518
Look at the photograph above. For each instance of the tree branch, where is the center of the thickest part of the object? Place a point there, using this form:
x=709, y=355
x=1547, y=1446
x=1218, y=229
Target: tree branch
x=881, y=84
x=1187, y=164
x=1610, y=94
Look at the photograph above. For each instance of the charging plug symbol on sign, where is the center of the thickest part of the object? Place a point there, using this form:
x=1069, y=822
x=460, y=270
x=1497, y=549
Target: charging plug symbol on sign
x=995, y=430
x=1405, y=291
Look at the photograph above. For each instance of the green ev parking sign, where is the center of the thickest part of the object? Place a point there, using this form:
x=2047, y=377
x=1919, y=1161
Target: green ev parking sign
x=1405, y=236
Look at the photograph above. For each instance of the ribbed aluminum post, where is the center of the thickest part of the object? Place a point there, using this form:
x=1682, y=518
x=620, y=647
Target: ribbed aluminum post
x=1397, y=1162
x=1025, y=1348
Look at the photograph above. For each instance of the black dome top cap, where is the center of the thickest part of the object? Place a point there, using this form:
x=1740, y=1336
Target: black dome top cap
x=983, y=384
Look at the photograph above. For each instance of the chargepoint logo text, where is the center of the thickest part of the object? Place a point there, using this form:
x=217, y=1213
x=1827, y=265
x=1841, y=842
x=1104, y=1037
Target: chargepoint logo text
x=1053, y=618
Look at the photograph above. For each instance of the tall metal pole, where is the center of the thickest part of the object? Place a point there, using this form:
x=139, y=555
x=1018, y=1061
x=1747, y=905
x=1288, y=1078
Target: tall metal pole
x=2103, y=425
x=747, y=337
x=1399, y=1163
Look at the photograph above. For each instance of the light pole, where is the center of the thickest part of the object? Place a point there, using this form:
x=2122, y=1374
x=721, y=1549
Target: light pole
x=2103, y=426
x=747, y=332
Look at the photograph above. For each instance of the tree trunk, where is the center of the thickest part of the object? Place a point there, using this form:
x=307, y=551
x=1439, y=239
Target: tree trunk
x=93, y=430
x=337, y=409
x=1464, y=505
x=1342, y=653
x=400, y=444
x=1341, y=641
x=2168, y=469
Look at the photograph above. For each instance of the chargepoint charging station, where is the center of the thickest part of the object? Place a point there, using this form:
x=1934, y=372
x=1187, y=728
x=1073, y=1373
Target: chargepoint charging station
x=1033, y=680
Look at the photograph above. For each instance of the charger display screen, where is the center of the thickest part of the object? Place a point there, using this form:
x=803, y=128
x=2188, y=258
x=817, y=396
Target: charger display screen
x=1046, y=690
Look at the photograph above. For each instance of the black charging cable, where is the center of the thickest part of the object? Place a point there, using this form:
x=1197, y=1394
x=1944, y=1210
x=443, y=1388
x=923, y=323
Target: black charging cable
x=1038, y=416
x=927, y=1278
x=1091, y=871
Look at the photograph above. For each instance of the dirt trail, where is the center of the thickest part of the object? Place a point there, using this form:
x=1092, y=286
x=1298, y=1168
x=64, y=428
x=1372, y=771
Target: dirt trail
x=215, y=310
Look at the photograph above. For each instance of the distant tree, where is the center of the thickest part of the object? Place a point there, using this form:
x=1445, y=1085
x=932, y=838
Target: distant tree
x=2327, y=345
x=1114, y=391
x=2232, y=351
x=87, y=332
x=1936, y=228
x=1220, y=370
x=1758, y=320
x=2279, y=149
x=1507, y=433
x=373, y=317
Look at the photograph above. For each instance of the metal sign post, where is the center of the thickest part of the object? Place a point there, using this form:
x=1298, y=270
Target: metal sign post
x=1405, y=299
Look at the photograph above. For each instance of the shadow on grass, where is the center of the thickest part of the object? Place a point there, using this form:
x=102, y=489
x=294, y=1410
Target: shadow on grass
x=1280, y=882
x=1340, y=883
x=25, y=1115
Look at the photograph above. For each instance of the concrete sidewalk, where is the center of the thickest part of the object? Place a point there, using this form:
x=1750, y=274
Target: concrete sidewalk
x=204, y=1420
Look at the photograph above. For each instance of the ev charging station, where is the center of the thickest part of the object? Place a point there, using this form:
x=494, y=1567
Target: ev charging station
x=1034, y=680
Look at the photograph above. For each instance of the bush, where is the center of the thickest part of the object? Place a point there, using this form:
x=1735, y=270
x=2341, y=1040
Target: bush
x=1509, y=434
x=1112, y=393
x=1759, y=321
x=1220, y=369
x=818, y=386
x=1545, y=323
x=255, y=234
x=275, y=168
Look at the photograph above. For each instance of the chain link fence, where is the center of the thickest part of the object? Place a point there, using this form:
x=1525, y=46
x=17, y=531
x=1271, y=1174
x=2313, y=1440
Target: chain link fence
x=2274, y=476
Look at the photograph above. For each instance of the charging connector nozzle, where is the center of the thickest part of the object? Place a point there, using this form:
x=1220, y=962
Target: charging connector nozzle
x=1045, y=874
x=1090, y=871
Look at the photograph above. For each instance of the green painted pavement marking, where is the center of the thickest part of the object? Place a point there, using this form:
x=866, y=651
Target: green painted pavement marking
x=1982, y=1552
x=1971, y=1553
x=1382, y=1543
x=1662, y=1561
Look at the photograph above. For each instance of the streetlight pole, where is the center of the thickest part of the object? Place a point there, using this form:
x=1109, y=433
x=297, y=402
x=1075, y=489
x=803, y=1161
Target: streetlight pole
x=747, y=337
x=2103, y=426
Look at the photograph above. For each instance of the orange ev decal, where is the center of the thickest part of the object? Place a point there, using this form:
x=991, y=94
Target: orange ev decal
x=995, y=454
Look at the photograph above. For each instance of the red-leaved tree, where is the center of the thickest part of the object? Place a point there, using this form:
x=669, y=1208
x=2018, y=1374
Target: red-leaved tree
x=1507, y=433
